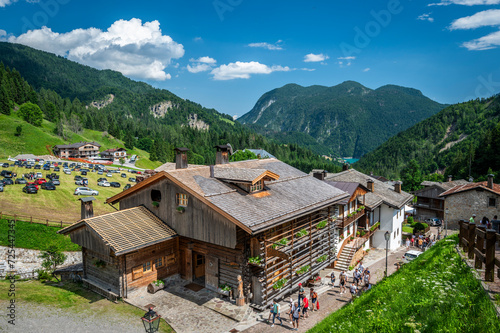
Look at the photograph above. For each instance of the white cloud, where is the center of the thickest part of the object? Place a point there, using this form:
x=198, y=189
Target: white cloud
x=268, y=46
x=4, y=3
x=366, y=69
x=487, y=42
x=489, y=17
x=311, y=57
x=198, y=39
x=308, y=69
x=243, y=70
x=196, y=68
x=426, y=17
x=348, y=61
x=205, y=60
x=135, y=49
x=465, y=2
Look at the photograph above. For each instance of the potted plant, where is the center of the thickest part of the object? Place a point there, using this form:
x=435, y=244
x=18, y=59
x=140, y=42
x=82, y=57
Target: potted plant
x=282, y=242
x=303, y=270
x=322, y=258
x=155, y=204
x=280, y=284
x=224, y=289
x=322, y=224
x=255, y=261
x=181, y=209
x=301, y=233
x=154, y=286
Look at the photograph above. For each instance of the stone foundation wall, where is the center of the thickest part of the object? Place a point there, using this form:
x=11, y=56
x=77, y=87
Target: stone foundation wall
x=462, y=205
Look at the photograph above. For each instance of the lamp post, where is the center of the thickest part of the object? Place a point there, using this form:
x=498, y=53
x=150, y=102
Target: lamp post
x=446, y=211
x=151, y=321
x=387, y=236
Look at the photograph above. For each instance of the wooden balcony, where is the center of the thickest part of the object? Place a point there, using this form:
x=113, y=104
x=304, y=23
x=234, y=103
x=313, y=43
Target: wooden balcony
x=345, y=221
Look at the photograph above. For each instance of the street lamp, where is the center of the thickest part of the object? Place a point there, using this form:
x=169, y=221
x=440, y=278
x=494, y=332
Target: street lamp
x=151, y=321
x=387, y=236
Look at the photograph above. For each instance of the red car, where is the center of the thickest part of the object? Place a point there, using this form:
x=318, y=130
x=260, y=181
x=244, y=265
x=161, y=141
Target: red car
x=40, y=181
x=34, y=184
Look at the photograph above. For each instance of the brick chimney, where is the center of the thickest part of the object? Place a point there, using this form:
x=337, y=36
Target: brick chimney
x=490, y=181
x=369, y=185
x=345, y=167
x=450, y=178
x=222, y=156
x=87, y=210
x=397, y=187
x=181, y=160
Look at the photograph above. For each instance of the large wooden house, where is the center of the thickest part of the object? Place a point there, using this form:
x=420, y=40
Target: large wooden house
x=262, y=221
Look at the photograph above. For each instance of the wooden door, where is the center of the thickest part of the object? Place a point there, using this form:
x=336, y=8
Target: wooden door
x=199, y=265
x=212, y=273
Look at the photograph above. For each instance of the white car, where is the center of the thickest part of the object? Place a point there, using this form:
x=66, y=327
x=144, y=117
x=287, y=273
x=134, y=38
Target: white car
x=85, y=191
x=12, y=159
x=411, y=255
x=109, y=174
x=39, y=175
x=67, y=171
x=104, y=183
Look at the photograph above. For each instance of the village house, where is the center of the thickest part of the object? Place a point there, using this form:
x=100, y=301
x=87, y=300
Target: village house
x=259, y=221
x=86, y=150
x=384, y=206
x=480, y=198
x=429, y=203
x=114, y=154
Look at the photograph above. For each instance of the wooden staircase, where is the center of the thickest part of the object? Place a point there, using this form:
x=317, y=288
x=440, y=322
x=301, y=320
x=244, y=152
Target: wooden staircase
x=345, y=258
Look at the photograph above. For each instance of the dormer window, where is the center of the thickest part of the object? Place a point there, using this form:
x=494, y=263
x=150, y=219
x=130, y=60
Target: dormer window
x=257, y=186
x=249, y=180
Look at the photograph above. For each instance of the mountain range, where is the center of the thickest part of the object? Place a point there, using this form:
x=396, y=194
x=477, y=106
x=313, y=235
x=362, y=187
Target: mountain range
x=344, y=120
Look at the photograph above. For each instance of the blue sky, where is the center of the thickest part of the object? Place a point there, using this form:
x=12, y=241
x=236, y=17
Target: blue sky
x=226, y=53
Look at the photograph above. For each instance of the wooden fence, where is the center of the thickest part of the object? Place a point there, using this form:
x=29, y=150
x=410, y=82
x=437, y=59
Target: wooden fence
x=32, y=219
x=479, y=243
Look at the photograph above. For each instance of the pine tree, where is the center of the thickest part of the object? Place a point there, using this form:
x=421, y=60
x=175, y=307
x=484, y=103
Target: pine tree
x=5, y=103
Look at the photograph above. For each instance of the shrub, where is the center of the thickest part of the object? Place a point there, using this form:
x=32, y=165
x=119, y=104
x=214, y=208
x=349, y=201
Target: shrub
x=302, y=232
x=31, y=113
x=52, y=258
x=158, y=283
x=410, y=220
x=224, y=287
x=351, y=268
x=419, y=227
x=322, y=224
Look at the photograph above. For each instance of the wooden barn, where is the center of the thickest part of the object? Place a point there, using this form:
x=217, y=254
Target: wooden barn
x=262, y=220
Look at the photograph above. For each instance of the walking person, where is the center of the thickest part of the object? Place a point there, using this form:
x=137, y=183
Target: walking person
x=314, y=298
x=412, y=240
x=367, y=279
x=332, y=279
x=356, y=278
x=361, y=269
x=301, y=292
x=305, y=307
x=343, y=278
x=295, y=316
x=353, y=290
x=290, y=312
x=276, y=309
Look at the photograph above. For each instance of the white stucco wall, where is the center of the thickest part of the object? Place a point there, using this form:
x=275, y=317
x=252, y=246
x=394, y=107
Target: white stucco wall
x=390, y=220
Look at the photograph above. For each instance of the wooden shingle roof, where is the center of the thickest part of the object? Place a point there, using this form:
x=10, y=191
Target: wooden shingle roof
x=472, y=186
x=126, y=230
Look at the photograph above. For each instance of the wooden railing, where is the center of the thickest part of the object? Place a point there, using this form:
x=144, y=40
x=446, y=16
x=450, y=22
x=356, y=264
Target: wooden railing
x=32, y=219
x=479, y=244
x=343, y=222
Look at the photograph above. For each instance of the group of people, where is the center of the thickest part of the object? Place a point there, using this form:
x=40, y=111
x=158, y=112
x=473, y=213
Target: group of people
x=421, y=242
x=493, y=224
x=298, y=308
x=360, y=280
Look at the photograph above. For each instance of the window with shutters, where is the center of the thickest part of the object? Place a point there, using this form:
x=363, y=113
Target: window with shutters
x=182, y=199
x=159, y=262
x=146, y=267
x=137, y=272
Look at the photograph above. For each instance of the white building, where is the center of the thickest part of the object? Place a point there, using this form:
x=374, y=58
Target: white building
x=384, y=203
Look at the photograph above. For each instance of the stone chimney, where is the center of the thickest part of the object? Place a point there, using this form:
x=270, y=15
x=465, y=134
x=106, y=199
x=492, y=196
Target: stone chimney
x=450, y=178
x=397, y=187
x=181, y=160
x=319, y=174
x=222, y=156
x=369, y=185
x=212, y=171
x=490, y=181
x=87, y=207
x=345, y=167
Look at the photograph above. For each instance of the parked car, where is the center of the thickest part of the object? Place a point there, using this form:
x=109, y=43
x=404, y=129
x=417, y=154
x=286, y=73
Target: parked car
x=126, y=187
x=39, y=175
x=123, y=175
x=40, y=181
x=5, y=165
x=85, y=191
x=30, y=189
x=131, y=179
x=133, y=171
x=21, y=181
x=27, y=166
x=78, y=177
x=411, y=255
x=67, y=171
x=6, y=173
x=115, y=184
x=99, y=172
x=109, y=174
x=46, y=168
x=11, y=159
x=57, y=169
x=84, y=173
x=104, y=183
x=7, y=181
x=83, y=181
x=433, y=222
x=33, y=184
x=38, y=166
x=1, y=187
x=48, y=186
x=56, y=182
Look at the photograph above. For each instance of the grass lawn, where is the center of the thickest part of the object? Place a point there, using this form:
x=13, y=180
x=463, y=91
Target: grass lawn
x=36, y=237
x=435, y=293
x=69, y=297
x=60, y=204
x=408, y=230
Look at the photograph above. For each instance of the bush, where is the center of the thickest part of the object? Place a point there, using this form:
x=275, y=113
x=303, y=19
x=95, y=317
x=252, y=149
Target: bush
x=44, y=275
x=410, y=220
x=31, y=113
x=419, y=227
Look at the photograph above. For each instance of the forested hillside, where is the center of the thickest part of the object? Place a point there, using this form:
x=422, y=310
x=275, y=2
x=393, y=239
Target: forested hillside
x=461, y=138
x=76, y=97
x=344, y=120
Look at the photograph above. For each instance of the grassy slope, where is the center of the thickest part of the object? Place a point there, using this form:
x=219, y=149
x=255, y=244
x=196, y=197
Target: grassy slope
x=435, y=293
x=35, y=236
x=34, y=140
x=68, y=298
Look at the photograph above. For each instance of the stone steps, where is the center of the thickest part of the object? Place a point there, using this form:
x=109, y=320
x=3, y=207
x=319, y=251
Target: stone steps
x=345, y=258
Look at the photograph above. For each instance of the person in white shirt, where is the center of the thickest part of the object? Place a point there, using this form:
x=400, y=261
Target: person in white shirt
x=295, y=315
